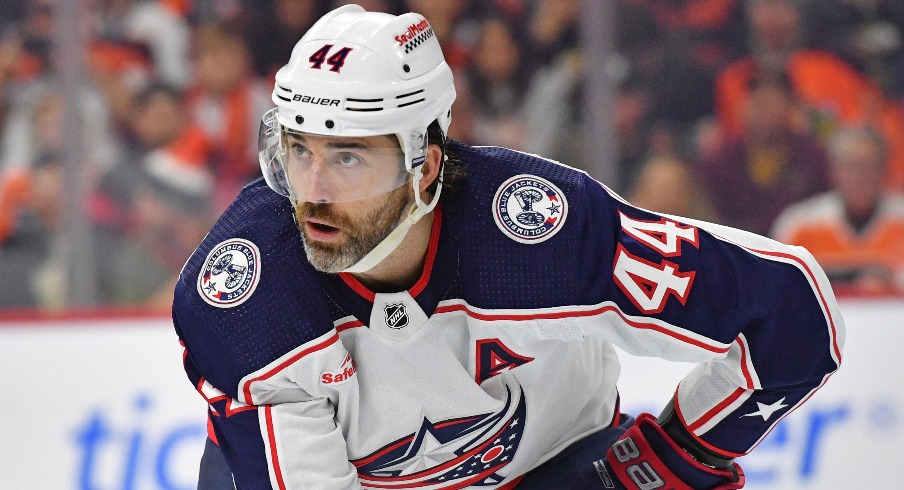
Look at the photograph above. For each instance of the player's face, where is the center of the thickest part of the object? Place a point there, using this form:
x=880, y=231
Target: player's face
x=338, y=235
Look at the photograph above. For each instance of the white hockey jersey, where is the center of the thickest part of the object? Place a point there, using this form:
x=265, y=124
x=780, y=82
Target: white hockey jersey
x=501, y=355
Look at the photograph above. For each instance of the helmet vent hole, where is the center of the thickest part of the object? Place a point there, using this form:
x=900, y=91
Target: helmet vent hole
x=363, y=105
x=330, y=123
x=299, y=119
x=406, y=104
x=406, y=68
x=404, y=100
x=410, y=94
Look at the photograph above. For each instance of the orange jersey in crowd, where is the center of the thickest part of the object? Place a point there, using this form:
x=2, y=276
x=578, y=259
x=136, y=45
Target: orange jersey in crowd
x=15, y=191
x=826, y=84
x=820, y=225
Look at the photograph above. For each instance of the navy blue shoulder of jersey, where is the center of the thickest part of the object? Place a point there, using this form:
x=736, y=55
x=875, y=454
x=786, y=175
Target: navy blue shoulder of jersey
x=507, y=264
x=284, y=308
x=501, y=268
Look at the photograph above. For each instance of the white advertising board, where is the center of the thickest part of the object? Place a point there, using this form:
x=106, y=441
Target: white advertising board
x=103, y=404
x=97, y=405
x=850, y=434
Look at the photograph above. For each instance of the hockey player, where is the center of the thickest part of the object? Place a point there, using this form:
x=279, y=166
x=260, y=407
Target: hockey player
x=390, y=309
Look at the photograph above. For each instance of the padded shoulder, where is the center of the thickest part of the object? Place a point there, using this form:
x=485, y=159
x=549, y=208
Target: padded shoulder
x=248, y=295
x=517, y=221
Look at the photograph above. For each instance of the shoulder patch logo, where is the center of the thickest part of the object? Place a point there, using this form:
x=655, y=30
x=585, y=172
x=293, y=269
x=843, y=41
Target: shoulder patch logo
x=529, y=209
x=230, y=273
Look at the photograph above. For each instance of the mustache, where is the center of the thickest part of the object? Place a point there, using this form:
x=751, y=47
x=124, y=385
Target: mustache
x=322, y=211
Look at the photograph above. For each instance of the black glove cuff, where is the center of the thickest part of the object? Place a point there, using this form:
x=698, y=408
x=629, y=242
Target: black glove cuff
x=672, y=426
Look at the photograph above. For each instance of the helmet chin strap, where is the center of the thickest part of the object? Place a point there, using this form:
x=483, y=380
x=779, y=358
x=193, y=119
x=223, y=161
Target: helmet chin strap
x=395, y=237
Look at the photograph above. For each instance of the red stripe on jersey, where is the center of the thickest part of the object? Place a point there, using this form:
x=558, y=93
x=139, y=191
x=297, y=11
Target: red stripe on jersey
x=433, y=246
x=463, y=420
x=357, y=287
x=274, y=457
x=288, y=362
x=744, y=369
x=724, y=453
x=716, y=410
x=349, y=324
x=718, y=349
x=210, y=432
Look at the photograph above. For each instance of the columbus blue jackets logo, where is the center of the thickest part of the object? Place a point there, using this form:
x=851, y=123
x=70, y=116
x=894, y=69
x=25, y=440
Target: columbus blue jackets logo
x=230, y=273
x=456, y=453
x=529, y=209
x=396, y=315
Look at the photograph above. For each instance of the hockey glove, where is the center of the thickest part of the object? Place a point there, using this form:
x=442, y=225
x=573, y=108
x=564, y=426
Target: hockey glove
x=646, y=458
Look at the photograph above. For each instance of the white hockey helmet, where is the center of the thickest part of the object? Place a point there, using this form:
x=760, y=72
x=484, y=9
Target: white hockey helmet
x=355, y=74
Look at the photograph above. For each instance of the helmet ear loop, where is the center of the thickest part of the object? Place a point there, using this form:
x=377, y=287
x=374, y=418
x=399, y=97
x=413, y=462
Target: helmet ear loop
x=416, y=184
x=416, y=187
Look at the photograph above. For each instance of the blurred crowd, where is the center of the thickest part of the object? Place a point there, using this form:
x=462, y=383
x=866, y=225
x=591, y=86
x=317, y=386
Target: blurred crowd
x=781, y=117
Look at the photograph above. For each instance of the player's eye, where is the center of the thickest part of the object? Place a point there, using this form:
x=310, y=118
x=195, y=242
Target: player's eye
x=348, y=160
x=298, y=150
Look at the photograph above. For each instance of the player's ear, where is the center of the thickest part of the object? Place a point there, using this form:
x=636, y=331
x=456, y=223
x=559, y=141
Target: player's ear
x=431, y=166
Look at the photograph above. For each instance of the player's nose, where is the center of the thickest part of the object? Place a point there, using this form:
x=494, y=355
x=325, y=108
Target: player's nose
x=317, y=185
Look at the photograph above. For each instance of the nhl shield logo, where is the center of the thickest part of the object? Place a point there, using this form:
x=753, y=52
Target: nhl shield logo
x=529, y=209
x=396, y=316
x=230, y=274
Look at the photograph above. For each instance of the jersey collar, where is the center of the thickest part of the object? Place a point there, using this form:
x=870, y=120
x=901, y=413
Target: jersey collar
x=437, y=280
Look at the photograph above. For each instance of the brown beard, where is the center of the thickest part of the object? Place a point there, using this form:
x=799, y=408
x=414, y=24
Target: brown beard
x=362, y=233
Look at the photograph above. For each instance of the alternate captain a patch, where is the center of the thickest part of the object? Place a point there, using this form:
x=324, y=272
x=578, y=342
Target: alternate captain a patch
x=231, y=272
x=529, y=209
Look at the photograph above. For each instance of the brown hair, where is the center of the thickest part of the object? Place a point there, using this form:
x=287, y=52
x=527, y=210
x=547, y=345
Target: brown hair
x=453, y=170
